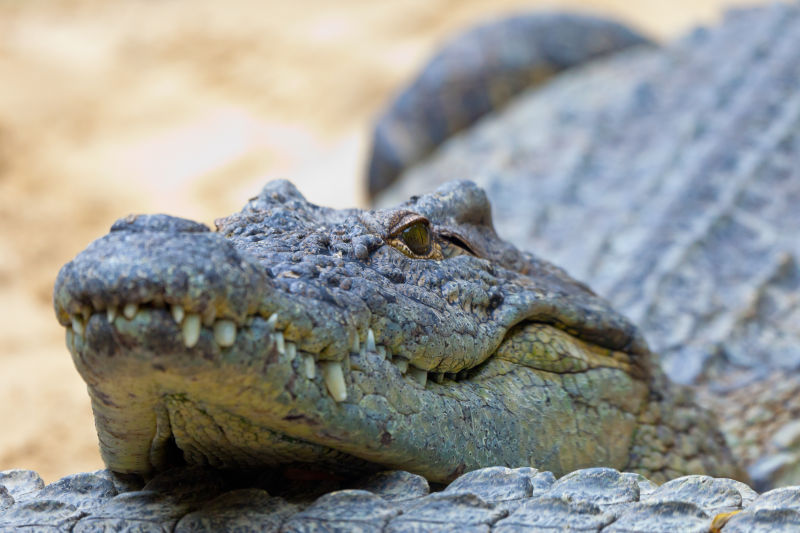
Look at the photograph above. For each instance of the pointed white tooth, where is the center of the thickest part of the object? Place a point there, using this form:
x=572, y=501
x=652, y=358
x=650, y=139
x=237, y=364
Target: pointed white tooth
x=272, y=321
x=308, y=366
x=380, y=350
x=177, y=313
x=334, y=379
x=86, y=311
x=209, y=316
x=418, y=375
x=130, y=310
x=356, y=345
x=225, y=332
x=402, y=365
x=438, y=377
x=190, y=329
x=111, y=313
x=370, y=341
x=291, y=351
x=280, y=345
x=77, y=324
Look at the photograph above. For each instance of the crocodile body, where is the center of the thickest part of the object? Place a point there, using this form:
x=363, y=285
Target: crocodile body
x=299, y=349
x=668, y=181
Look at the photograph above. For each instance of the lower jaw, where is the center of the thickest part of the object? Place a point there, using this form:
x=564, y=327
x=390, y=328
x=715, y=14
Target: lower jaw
x=254, y=405
x=204, y=434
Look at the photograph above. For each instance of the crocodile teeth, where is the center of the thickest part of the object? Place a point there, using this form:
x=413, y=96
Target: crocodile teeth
x=177, y=313
x=111, y=313
x=417, y=374
x=291, y=351
x=130, y=310
x=334, y=379
x=77, y=324
x=370, y=341
x=86, y=311
x=190, y=329
x=225, y=332
x=272, y=321
x=309, y=366
x=380, y=350
x=356, y=345
x=280, y=345
x=402, y=365
x=438, y=377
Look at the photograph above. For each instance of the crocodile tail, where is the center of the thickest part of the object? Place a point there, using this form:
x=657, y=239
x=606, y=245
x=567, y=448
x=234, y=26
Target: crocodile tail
x=479, y=71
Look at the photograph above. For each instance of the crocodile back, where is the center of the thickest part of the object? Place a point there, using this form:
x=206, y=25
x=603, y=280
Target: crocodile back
x=667, y=180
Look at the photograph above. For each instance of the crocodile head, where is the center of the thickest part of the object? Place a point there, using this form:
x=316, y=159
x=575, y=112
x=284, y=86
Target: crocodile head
x=409, y=338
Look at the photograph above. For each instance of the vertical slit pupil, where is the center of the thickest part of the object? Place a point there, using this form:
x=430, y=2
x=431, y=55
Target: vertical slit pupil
x=418, y=238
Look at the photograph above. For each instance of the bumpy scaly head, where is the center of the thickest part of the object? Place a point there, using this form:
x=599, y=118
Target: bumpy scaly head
x=411, y=338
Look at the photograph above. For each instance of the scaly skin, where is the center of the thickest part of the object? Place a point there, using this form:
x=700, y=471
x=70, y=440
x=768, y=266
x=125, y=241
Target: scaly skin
x=668, y=180
x=496, y=499
x=353, y=351
x=478, y=72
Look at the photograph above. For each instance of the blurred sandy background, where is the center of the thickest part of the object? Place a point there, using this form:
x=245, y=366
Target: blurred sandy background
x=186, y=107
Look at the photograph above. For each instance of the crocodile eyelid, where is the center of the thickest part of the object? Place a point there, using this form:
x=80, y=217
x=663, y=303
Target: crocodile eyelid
x=407, y=221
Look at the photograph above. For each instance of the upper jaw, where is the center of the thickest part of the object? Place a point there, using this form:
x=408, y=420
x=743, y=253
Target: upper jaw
x=307, y=266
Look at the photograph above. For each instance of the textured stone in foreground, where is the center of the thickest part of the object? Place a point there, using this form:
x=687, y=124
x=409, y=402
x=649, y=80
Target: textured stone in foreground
x=496, y=499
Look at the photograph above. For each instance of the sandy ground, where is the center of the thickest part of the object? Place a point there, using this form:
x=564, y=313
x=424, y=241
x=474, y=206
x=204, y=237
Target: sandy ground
x=186, y=107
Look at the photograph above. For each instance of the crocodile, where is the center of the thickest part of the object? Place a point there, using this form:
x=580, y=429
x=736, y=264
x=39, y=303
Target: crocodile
x=299, y=349
x=347, y=338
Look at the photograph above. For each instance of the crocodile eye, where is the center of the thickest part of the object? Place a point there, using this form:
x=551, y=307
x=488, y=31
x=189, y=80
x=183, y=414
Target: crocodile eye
x=418, y=238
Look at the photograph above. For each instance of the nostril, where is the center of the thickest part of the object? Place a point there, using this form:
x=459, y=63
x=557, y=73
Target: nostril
x=158, y=223
x=183, y=264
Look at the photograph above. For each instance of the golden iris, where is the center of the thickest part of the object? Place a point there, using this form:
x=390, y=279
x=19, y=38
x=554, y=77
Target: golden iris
x=418, y=238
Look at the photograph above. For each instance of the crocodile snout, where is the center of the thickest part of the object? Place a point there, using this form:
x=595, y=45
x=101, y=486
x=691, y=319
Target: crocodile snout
x=158, y=261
